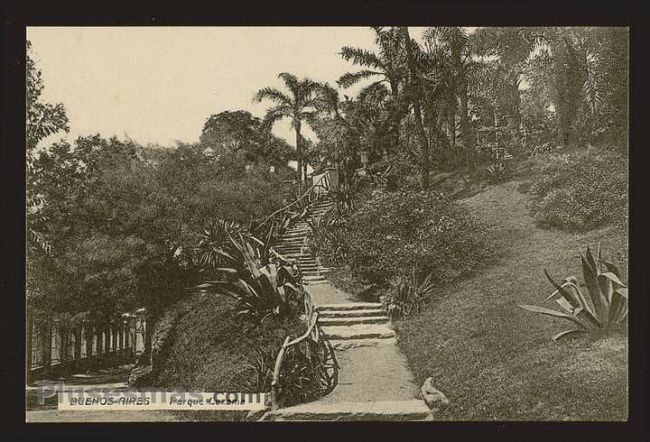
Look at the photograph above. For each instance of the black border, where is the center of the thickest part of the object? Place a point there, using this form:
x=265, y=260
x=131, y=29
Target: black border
x=15, y=17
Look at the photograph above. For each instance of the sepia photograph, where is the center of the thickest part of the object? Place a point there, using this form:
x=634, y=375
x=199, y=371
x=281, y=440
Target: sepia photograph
x=319, y=223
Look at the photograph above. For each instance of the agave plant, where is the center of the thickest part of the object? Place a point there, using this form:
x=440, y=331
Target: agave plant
x=498, y=171
x=407, y=294
x=214, y=237
x=603, y=306
x=260, y=287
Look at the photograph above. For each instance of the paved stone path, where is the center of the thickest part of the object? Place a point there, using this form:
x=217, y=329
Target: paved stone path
x=374, y=380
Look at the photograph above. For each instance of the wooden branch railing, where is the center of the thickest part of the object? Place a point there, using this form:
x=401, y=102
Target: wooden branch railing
x=303, y=201
x=315, y=334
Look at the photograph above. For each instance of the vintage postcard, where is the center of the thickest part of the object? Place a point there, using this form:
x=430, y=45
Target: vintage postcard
x=326, y=224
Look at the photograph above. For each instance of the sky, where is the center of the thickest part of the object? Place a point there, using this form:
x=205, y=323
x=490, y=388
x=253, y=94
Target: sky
x=159, y=85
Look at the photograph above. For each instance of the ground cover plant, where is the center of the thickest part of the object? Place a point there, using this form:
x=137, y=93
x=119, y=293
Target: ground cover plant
x=581, y=190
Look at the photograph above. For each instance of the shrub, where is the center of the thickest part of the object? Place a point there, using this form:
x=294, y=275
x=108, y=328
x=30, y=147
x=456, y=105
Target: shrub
x=303, y=375
x=327, y=238
x=581, y=191
x=604, y=307
x=391, y=233
x=498, y=172
x=407, y=294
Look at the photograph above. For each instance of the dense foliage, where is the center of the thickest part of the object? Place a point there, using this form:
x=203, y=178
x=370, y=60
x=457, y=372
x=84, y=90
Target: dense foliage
x=392, y=233
x=581, y=191
x=263, y=285
x=115, y=226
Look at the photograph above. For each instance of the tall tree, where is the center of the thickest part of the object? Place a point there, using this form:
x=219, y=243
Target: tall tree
x=415, y=92
x=387, y=66
x=237, y=135
x=454, y=43
x=510, y=47
x=298, y=106
x=41, y=120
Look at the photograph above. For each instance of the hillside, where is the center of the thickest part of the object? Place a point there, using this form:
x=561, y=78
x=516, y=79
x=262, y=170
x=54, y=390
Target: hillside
x=496, y=361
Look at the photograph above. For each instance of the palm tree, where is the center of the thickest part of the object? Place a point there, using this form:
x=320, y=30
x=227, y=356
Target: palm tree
x=416, y=91
x=298, y=106
x=387, y=66
x=453, y=45
x=511, y=46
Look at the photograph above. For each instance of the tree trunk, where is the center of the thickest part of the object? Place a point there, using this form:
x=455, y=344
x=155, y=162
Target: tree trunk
x=298, y=149
x=466, y=129
x=451, y=128
x=30, y=344
x=568, y=88
x=417, y=113
x=465, y=126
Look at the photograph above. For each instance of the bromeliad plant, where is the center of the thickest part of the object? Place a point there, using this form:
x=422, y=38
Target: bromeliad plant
x=602, y=307
x=327, y=238
x=213, y=239
x=498, y=171
x=407, y=294
x=262, y=283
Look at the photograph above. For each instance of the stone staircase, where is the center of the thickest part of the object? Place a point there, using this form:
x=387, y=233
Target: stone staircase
x=292, y=245
x=375, y=383
x=354, y=321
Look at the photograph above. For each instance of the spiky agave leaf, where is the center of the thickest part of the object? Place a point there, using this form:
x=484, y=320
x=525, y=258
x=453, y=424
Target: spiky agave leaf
x=590, y=274
x=553, y=313
x=566, y=333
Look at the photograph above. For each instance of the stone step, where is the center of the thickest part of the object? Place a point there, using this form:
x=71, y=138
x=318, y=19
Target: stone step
x=317, y=282
x=350, y=344
x=352, y=313
x=358, y=331
x=296, y=235
x=310, y=278
x=406, y=410
x=352, y=320
x=349, y=306
x=292, y=231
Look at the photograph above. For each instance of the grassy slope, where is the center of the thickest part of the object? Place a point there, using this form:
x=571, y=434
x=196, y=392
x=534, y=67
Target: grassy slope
x=496, y=361
x=209, y=352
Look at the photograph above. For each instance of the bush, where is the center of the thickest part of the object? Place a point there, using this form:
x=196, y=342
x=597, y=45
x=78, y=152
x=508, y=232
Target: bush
x=407, y=294
x=391, y=233
x=581, y=191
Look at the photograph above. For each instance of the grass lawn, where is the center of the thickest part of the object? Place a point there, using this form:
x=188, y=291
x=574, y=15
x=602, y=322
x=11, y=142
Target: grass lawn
x=495, y=361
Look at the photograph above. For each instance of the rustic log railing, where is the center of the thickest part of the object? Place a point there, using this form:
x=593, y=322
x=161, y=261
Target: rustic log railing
x=324, y=357
x=280, y=218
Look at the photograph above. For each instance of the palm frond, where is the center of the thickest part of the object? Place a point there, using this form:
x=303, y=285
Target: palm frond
x=351, y=78
x=290, y=80
x=275, y=114
x=362, y=57
x=274, y=95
